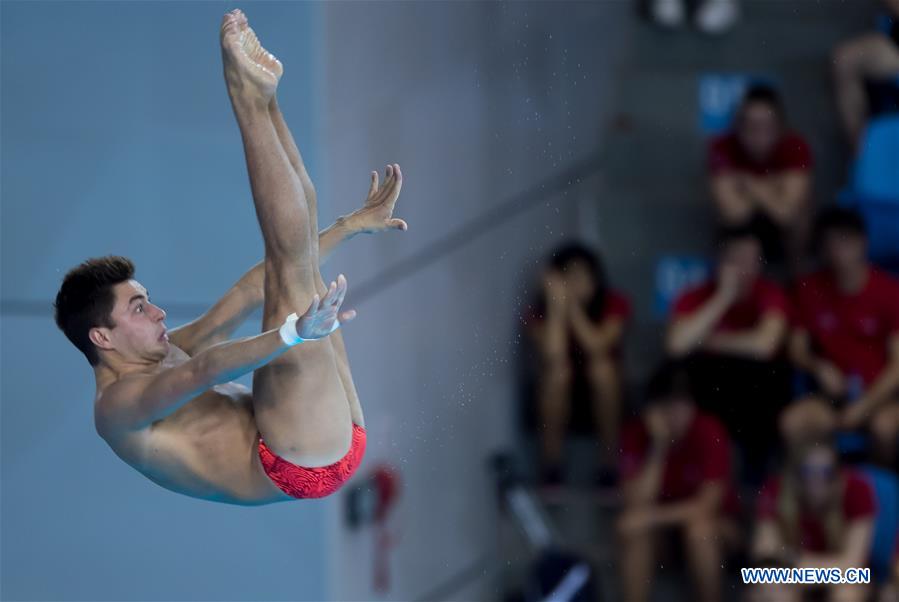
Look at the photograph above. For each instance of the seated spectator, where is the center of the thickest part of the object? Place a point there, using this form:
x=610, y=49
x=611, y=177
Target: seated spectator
x=846, y=332
x=676, y=477
x=809, y=418
x=733, y=328
x=817, y=515
x=577, y=327
x=760, y=173
x=870, y=57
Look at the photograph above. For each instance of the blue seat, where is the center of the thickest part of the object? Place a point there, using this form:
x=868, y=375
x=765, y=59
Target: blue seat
x=673, y=275
x=876, y=173
x=874, y=190
x=886, y=522
x=851, y=443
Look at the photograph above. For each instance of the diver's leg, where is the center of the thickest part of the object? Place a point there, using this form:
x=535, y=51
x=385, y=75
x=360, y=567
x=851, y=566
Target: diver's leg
x=299, y=402
x=336, y=339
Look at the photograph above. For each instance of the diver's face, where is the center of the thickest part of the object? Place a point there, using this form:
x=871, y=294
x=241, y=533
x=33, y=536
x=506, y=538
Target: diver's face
x=139, y=332
x=758, y=130
x=579, y=280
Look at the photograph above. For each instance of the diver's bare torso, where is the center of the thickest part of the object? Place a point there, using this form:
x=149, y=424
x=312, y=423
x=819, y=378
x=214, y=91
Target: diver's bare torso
x=205, y=449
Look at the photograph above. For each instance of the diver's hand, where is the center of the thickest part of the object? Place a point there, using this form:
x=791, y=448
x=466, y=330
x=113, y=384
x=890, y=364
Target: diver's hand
x=376, y=213
x=320, y=318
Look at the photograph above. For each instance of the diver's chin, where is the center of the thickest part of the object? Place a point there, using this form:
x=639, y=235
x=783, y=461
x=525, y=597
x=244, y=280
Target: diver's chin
x=161, y=350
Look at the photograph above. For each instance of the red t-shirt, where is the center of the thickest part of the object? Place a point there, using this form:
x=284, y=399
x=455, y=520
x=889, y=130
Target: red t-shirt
x=701, y=456
x=852, y=331
x=765, y=297
x=617, y=305
x=858, y=504
x=726, y=154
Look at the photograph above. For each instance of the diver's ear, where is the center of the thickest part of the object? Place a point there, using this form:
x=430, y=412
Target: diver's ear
x=100, y=337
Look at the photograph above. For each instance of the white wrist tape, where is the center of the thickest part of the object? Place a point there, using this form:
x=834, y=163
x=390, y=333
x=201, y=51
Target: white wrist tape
x=291, y=337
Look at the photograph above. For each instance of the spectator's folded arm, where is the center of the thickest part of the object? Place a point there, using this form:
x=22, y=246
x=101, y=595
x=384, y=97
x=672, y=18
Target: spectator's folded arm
x=598, y=338
x=852, y=554
x=884, y=388
x=767, y=542
x=704, y=505
x=760, y=343
x=781, y=197
x=732, y=202
x=688, y=331
x=641, y=488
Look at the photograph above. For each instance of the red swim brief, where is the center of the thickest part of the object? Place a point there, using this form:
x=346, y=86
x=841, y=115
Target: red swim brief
x=299, y=482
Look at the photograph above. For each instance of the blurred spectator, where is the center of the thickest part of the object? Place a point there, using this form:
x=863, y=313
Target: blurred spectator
x=733, y=329
x=760, y=173
x=810, y=418
x=676, y=476
x=817, y=515
x=846, y=334
x=577, y=327
x=711, y=16
x=873, y=56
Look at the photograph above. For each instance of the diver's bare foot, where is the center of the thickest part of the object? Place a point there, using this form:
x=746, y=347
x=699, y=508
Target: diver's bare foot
x=251, y=72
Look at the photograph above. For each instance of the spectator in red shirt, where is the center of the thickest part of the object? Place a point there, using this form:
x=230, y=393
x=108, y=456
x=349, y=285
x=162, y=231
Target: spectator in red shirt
x=870, y=56
x=733, y=328
x=846, y=331
x=817, y=515
x=760, y=173
x=676, y=475
x=577, y=326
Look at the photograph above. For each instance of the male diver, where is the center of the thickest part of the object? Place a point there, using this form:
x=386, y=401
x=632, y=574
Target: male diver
x=165, y=402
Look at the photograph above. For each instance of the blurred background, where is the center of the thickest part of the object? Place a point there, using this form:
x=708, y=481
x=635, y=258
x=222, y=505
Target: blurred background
x=643, y=330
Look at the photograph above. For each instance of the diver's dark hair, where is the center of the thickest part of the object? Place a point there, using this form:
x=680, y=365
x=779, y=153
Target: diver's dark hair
x=85, y=299
x=564, y=256
x=838, y=219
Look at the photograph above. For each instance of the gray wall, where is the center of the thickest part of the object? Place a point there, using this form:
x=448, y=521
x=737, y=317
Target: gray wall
x=119, y=138
x=477, y=101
